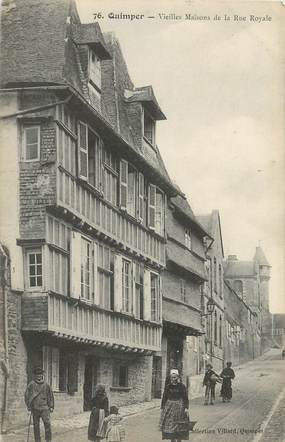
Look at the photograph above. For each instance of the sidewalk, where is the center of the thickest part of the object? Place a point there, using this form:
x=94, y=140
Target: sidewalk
x=64, y=424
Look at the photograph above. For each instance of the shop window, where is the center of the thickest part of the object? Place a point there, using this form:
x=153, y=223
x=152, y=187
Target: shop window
x=61, y=369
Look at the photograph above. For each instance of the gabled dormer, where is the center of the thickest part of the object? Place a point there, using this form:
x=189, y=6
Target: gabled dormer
x=92, y=51
x=150, y=112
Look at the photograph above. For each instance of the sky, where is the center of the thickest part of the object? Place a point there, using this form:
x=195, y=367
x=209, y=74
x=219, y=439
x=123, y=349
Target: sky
x=220, y=84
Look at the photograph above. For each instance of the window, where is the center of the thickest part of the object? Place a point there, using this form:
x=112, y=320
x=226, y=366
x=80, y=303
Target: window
x=149, y=128
x=221, y=280
x=58, y=239
x=188, y=243
x=156, y=209
x=128, y=185
x=215, y=328
x=85, y=269
x=155, y=301
x=215, y=274
x=127, y=292
x=35, y=268
x=238, y=288
x=105, y=271
x=61, y=369
x=139, y=290
x=31, y=143
x=120, y=374
x=110, y=177
x=89, y=156
x=220, y=331
x=183, y=290
x=94, y=69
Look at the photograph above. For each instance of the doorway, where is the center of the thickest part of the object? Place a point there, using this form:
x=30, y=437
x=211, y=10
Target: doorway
x=90, y=381
x=156, y=377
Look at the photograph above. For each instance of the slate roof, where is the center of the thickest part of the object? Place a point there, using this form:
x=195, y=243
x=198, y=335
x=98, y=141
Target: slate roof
x=260, y=257
x=48, y=46
x=182, y=206
x=146, y=95
x=236, y=268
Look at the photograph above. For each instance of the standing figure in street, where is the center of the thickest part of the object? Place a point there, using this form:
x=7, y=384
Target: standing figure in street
x=115, y=431
x=40, y=402
x=227, y=375
x=174, y=410
x=209, y=381
x=100, y=409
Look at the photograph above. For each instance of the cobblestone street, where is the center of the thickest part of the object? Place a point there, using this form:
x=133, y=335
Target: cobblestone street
x=255, y=414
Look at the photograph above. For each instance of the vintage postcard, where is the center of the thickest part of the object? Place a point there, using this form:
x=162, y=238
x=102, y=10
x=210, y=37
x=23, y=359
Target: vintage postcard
x=142, y=208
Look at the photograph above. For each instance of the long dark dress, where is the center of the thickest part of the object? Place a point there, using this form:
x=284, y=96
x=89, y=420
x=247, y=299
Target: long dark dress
x=99, y=404
x=173, y=404
x=226, y=391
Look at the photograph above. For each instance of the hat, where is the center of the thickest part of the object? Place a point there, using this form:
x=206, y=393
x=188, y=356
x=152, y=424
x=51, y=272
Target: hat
x=38, y=370
x=174, y=371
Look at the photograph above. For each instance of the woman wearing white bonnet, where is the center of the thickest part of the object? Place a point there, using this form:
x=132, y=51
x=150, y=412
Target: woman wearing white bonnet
x=174, y=409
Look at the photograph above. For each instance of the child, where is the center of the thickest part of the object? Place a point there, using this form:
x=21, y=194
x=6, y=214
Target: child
x=115, y=431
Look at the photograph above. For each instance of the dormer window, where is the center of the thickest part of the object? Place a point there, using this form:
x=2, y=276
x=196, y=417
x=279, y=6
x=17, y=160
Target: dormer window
x=149, y=128
x=94, y=70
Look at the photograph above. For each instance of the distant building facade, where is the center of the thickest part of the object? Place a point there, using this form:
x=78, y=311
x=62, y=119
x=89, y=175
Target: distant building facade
x=213, y=290
x=249, y=280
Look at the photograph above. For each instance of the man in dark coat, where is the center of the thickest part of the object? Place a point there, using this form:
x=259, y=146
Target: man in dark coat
x=40, y=401
x=209, y=381
x=227, y=375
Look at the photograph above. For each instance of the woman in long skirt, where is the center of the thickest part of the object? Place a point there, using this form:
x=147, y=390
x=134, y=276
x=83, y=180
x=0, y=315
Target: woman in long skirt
x=100, y=409
x=227, y=375
x=174, y=410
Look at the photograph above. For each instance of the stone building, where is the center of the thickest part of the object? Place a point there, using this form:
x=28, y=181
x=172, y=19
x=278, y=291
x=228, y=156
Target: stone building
x=249, y=280
x=183, y=279
x=213, y=324
x=83, y=197
x=241, y=339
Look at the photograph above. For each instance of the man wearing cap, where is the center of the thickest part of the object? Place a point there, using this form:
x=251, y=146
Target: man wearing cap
x=40, y=401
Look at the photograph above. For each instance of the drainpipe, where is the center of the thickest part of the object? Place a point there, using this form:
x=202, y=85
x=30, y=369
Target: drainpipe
x=5, y=362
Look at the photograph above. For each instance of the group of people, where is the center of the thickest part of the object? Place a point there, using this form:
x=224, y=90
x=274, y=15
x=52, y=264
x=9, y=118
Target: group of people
x=210, y=380
x=106, y=424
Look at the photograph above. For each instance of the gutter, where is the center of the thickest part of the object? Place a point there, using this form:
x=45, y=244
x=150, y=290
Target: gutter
x=5, y=361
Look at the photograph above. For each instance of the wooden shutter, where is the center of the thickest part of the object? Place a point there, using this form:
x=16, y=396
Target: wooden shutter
x=83, y=150
x=147, y=295
x=75, y=265
x=123, y=184
x=151, y=206
x=118, y=283
x=141, y=197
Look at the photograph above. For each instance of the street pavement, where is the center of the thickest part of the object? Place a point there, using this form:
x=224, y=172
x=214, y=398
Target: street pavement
x=255, y=414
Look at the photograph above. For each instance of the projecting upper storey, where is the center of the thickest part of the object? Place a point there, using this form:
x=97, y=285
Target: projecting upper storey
x=50, y=46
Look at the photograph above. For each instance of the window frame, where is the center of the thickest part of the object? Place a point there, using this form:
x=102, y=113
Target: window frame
x=146, y=115
x=24, y=143
x=93, y=80
x=131, y=288
x=188, y=238
x=117, y=365
x=153, y=207
x=157, y=317
x=29, y=251
x=89, y=299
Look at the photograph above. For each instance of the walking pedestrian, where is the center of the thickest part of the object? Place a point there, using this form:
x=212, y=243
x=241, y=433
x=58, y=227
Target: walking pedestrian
x=40, y=402
x=115, y=431
x=209, y=381
x=227, y=375
x=100, y=409
x=174, y=419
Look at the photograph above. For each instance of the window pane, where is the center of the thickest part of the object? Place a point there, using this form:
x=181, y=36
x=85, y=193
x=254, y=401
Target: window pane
x=31, y=152
x=32, y=135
